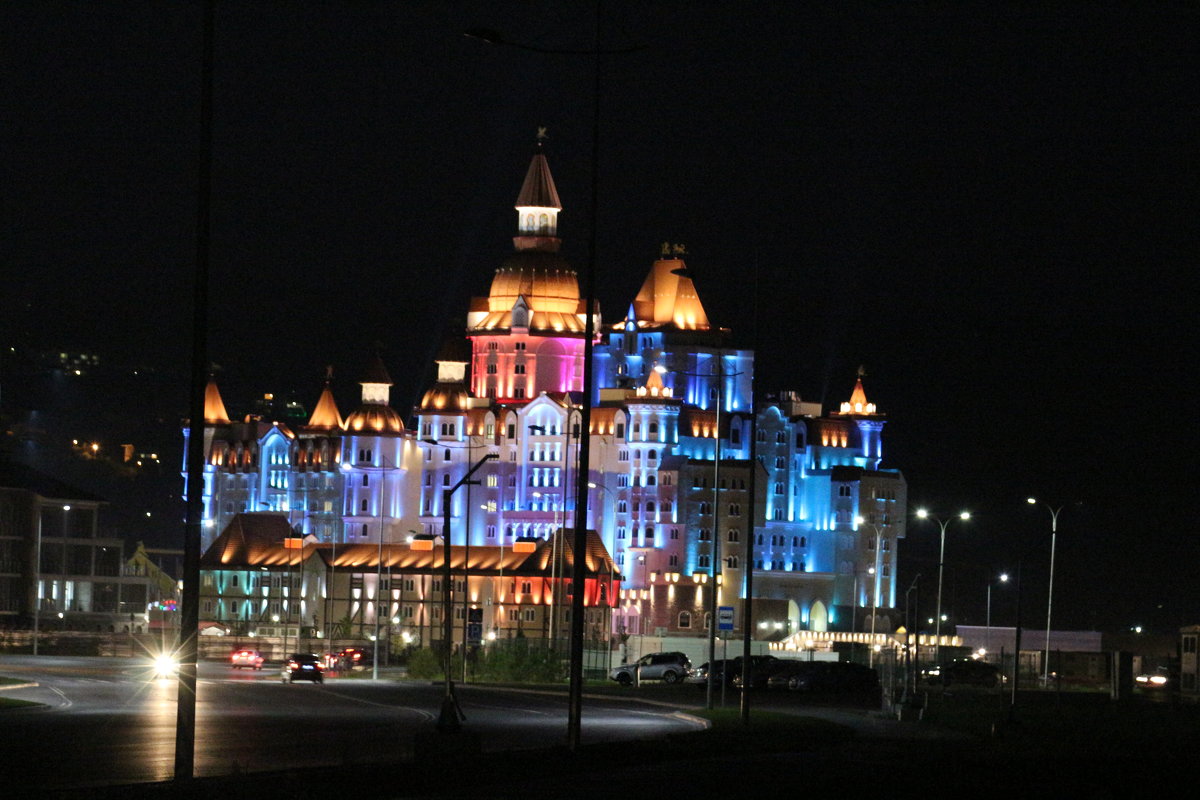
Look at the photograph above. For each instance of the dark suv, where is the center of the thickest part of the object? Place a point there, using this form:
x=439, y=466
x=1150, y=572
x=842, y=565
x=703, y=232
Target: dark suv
x=965, y=671
x=303, y=667
x=667, y=667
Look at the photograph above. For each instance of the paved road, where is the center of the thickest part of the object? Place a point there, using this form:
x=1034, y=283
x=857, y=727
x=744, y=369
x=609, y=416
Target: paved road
x=109, y=721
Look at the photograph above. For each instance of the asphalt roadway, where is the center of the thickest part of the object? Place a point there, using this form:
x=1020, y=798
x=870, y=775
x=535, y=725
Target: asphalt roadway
x=108, y=721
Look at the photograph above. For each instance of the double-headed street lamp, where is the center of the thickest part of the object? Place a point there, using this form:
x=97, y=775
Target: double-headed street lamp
x=449, y=719
x=1050, y=595
x=937, y=633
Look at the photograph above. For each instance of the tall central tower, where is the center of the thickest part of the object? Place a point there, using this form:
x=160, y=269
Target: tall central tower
x=527, y=334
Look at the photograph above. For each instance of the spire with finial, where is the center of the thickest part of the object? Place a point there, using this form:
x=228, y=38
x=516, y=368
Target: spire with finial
x=858, y=398
x=538, y=204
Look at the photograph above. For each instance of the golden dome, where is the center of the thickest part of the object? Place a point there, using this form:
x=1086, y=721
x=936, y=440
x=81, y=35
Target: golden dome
x=545, y=280
x=446, y=397
x=375, y=417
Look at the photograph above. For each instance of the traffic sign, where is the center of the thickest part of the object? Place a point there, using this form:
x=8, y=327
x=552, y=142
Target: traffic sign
x=725, y=618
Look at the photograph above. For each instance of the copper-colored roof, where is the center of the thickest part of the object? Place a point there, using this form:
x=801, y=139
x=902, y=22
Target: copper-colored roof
x=858, y=398
x=214, y=408
x=375, y=417
x=326, y=414
x=667, y=298
x=448, y=397
x=596, y=557
x=538, y=188
x=254, y=540
x=603, y=420
x=485, y=560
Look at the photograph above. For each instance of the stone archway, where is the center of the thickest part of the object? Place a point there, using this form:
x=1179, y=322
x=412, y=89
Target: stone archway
x=818, y=617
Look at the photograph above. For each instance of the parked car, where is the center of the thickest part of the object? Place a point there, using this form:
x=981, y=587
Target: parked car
x=246, y=658
x=839, y=677
x=667, y=667
x=352, y=657
x=303, y=667
x=1157, y=679
x=965, y=672
x=763, y=670
x=784, y=677
x=727, y=670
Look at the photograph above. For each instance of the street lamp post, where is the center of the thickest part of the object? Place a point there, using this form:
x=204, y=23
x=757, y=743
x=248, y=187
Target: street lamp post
x=987, y=640
x=937, y=634
x=450, y=718
x=875, y=573
x=1050, y=595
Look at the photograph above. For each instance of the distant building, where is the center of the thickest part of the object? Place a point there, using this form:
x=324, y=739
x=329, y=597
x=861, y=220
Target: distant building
x=687, y=466
x=260, y=580
x=84, y=581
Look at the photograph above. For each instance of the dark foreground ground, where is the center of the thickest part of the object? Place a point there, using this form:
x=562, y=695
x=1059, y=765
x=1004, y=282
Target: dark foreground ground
x=1065, y=746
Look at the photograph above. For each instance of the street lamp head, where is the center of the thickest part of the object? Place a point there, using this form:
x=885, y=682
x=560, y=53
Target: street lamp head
x=1031, y=500
x=859, y=520
x=66, y=508
x=591, y=485
x=1004, y=577
x=965, y=515
x=922, y=513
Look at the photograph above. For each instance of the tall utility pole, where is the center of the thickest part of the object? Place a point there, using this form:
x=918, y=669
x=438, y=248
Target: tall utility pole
x=189, y=623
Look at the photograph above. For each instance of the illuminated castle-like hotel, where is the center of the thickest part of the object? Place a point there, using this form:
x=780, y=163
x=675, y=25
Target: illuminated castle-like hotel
x=673, y=391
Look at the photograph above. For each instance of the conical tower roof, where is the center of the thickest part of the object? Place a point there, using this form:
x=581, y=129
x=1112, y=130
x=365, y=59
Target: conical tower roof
x=376, y=372
x=214, y=407
x=538, y=190
x=326, y=414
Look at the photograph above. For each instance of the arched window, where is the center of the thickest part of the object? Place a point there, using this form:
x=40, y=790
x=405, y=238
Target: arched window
x=544, y=223
x=703, y=561
x=649, y=506
x=685, y=619
x=651, y=480
x=363, y=506
x=653, y=454
x=653, y=432
x=732, y=562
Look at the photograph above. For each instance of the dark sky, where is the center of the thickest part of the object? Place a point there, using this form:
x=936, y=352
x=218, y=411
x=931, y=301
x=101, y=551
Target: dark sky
x=990, y=208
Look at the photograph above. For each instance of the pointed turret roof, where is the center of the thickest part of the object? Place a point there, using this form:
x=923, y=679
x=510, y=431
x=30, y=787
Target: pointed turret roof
x=376, y=372
x=858, y=405
x=214, y=407
x=538, y=190
x=326, y=414
x=859, y=396
x=668, y=297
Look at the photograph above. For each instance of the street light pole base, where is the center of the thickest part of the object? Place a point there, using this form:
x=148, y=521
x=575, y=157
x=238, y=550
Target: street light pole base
x=451, y=716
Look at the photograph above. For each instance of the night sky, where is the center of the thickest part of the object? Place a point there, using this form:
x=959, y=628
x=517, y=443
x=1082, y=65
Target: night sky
x=989, y=208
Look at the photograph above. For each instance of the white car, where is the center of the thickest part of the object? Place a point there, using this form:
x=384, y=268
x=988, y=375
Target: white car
x=667, y=667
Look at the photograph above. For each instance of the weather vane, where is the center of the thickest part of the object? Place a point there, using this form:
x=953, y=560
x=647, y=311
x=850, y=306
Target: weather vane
x=541, y=133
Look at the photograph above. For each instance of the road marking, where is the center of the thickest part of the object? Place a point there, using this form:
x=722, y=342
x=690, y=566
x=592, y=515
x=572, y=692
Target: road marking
x=426, y=715
x=66, y=701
